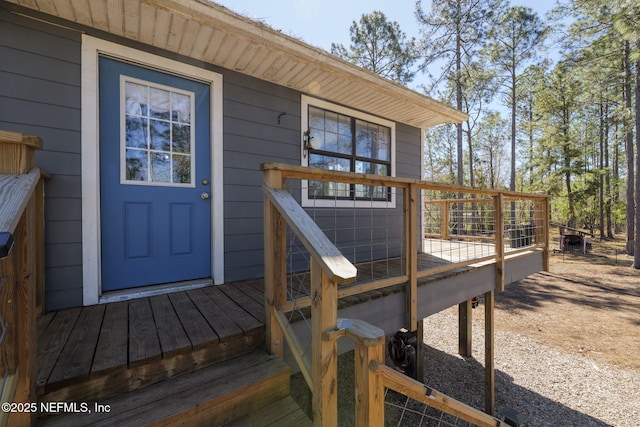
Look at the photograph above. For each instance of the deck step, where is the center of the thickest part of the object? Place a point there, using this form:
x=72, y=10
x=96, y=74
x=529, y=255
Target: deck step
x=283, y=413
x=213, y=396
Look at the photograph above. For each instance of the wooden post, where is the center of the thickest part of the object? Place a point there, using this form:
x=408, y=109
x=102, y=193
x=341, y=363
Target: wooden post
x=369, y=389
x=411, y=262
x=547, y=243
x=26, y=315
x=275, y=273
x=498, y=214
x=444, y=220
x=465, y=328
x=420, y=352
x=324, y=352
x=489, y=354
x=39, y=249
x=17, y=152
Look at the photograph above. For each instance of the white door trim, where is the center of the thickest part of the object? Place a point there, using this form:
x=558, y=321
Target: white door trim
x=90, y=159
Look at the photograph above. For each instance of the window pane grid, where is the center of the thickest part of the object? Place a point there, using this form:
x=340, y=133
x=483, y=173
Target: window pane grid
x=158, y=134
x=343, y=143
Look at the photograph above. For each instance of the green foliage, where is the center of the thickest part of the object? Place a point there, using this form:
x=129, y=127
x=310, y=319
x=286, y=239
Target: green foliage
x=379, y=46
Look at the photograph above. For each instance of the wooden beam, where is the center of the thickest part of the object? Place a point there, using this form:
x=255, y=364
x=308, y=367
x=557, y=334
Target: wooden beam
x=296, y=348
x=275, y=272
x=489, y=354
x=420, y=352
x=465, y=328
x=411, y=257
x=302, y=172
x=444, y=220
x=324, y=353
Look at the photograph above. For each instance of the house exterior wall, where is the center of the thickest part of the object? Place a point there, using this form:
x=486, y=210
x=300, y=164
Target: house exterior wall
x=40, y=94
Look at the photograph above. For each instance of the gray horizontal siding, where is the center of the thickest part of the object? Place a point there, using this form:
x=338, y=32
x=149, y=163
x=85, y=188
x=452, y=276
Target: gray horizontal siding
x=252, y=136
x=40, y=95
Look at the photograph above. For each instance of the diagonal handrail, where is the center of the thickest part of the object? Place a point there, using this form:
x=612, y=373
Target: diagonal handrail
x=338, y=268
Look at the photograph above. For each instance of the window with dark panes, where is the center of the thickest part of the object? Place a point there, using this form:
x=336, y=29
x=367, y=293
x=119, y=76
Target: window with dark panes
x=344, y=143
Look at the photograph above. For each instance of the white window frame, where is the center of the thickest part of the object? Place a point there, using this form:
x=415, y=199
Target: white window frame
x=92, y=49
x=307, y=101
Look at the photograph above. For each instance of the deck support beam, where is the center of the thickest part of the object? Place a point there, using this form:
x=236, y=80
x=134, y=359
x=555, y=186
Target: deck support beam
x=465, y=328
x=489, y=353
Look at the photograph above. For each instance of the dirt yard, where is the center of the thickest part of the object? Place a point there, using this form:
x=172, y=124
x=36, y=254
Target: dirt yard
x=588, y=304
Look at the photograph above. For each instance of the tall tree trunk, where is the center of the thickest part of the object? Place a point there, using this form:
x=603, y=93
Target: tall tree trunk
x=459, y=101
x=616, y=177
x=607, y=177
x=601, y=167
x=636, y=248
x=631, y=207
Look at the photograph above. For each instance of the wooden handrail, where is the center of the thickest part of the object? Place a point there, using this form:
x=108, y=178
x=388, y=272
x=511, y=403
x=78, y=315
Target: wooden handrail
x=334, y=264
x=15, y=192
x=318, y=174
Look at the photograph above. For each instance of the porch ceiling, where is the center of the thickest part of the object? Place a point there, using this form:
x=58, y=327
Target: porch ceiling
x=211, y=33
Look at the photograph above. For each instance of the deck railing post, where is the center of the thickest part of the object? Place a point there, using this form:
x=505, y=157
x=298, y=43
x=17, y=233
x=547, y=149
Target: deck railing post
x=410, y=207
x=369, y=387
x=275, y=272
x=546, y=213
x=499, y=225
x=444, y=220
x=324, y=349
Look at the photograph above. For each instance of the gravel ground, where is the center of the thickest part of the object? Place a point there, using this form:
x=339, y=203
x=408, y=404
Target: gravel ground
x=551, y=387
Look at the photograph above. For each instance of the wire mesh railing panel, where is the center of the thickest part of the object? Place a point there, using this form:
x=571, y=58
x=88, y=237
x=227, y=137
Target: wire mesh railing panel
x=402, y=411
x=456, y=229
x=524, y=224
x=366, y=227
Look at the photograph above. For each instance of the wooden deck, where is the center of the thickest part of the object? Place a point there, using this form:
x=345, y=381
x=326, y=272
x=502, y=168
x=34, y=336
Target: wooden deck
x=102, y=350
x=95, y=351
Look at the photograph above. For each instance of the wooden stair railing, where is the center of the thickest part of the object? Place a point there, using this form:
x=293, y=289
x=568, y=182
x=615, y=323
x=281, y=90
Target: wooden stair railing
x=329, y=268
x=21, y=264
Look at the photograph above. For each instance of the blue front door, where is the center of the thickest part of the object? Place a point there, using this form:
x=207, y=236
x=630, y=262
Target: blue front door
x=155, y=173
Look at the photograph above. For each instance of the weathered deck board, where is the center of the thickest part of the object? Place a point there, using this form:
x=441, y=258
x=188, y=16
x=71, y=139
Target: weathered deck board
x=171, y=335
x=198, y=330
x=112, y=349
x=238, y=294
x=143, y=338
x=224, y=327
x=77, y=356
x=107, y=342
x=53, y=340
x=236, y=313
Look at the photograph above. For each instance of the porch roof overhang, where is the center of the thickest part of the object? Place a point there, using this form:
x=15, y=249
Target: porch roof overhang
x=207, y=32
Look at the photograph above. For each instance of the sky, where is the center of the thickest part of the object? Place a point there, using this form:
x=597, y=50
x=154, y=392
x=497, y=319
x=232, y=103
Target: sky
x=321, y=22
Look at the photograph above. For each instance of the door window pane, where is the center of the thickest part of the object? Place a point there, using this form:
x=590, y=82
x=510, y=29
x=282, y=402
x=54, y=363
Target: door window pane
x=158, y=134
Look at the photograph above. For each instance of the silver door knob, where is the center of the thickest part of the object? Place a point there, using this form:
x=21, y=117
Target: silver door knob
x=204, y=196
